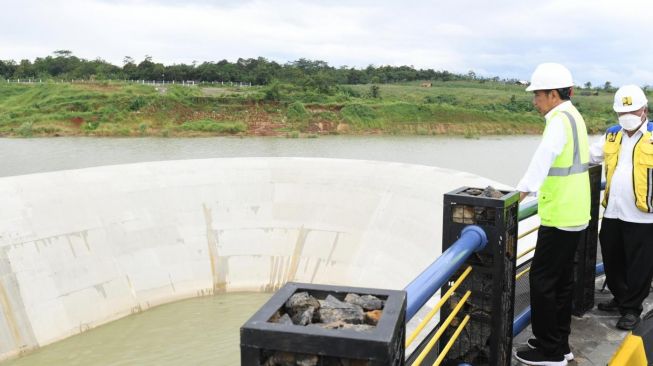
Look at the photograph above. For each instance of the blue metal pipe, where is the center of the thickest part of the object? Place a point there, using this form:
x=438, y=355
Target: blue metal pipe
x=600, y=269
x=524, y=318
x=521, y=321
x=421, y=289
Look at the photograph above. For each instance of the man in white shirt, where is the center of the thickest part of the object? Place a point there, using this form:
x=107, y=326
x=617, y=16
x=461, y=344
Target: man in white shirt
x=559, y=173
x=627, y=228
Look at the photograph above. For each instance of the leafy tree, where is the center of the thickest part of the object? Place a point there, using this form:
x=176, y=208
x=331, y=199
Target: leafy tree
x=375, y=91
x=311, y=75
x=7, y=68
x=63, y=53
x=24, y=70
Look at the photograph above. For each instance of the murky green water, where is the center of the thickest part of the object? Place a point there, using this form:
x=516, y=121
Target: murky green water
x=199, y=331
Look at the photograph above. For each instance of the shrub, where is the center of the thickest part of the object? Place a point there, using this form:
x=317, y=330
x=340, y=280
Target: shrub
x=142, y=128
x=136, y=104
x=90, y=125
x=298, y=116
x=348, y=91
x=441, y=99
x=25, y=129
x=272, y=92
x=360, y=115
x=297, y=112
x=209, y=125
x=375, y=92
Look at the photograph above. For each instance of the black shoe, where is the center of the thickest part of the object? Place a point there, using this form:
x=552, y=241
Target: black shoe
x=533, y=343
x=535, y=357
x=628, y=322
x=611, y=305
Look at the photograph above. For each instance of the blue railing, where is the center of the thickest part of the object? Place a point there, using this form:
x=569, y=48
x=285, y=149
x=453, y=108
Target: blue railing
x=421, y=289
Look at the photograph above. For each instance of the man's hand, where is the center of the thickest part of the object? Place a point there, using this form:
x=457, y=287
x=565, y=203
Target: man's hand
x=522, y=195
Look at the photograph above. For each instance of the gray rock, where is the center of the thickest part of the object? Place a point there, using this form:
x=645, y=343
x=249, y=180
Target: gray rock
x=306, y=317
x=285, y=319
x=301, y=307
x=472, y=191
x=492, y=192
x=333, y=310
x=367, y=302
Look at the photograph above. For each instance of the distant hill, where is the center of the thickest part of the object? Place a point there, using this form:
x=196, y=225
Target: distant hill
x=424, y=107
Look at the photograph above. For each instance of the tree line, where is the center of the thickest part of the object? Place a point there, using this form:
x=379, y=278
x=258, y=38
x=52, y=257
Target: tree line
x=258, y=71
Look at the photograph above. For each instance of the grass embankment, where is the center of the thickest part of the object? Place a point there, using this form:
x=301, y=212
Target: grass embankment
x=112, y=109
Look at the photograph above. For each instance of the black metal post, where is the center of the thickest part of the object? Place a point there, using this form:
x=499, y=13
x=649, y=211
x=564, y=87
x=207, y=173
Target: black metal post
x=487, y=339
x=585, y=259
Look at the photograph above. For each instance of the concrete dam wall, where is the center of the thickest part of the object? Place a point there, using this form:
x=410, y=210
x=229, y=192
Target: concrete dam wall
x=79, y=248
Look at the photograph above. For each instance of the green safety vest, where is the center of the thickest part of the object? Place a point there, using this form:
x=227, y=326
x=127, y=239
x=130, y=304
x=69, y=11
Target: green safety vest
x=564, y=198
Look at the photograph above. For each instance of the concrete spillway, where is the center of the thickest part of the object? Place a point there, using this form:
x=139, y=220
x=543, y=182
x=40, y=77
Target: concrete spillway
x=79, y=248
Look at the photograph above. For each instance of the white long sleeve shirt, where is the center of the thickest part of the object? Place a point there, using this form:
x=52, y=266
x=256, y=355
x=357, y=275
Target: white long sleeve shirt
x=621, y=203
x=552, y=144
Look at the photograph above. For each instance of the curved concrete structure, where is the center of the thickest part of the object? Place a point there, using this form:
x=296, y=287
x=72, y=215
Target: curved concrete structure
x=79, y=248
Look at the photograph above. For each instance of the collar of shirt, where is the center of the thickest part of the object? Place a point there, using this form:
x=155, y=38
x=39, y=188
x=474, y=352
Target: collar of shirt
x=560, y=107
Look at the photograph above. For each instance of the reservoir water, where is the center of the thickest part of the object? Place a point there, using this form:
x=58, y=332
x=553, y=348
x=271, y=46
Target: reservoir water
x=199, y=331
x=502, y=158
x=204, y=330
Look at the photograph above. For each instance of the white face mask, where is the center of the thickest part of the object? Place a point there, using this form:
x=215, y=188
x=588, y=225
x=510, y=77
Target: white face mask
x=630, y=122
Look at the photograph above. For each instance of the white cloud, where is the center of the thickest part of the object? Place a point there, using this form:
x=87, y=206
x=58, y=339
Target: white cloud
x=599, y=40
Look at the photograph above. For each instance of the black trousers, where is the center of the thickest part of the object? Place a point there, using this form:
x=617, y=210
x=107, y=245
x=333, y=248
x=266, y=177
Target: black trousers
x=627, y=250
x=552, y=280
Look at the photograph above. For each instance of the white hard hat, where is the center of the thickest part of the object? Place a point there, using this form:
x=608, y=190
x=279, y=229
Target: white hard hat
x=629, y=98
x=549, y=76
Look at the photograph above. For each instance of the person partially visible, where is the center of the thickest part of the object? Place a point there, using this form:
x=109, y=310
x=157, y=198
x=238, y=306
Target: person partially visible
x=559, y=174
x=626, y=234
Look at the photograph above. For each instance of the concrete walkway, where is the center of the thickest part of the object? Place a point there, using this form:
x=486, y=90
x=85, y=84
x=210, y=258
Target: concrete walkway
x=594, y=337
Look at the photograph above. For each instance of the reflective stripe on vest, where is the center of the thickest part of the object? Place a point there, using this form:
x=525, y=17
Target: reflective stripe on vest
x=576, y=166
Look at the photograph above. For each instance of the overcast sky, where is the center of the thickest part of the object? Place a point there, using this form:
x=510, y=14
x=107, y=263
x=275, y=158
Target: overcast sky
x=598, y=40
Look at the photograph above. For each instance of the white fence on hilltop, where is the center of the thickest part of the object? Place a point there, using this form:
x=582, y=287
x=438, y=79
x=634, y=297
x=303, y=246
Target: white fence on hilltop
x=142, y=82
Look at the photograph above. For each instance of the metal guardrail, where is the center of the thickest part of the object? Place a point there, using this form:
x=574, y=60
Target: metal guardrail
x=437, y=307
x=421, y=289
x=428, y=283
